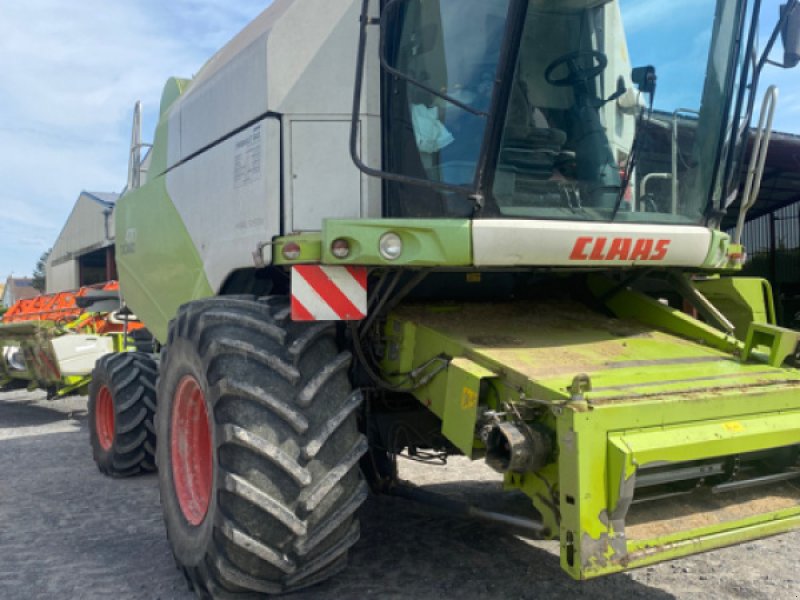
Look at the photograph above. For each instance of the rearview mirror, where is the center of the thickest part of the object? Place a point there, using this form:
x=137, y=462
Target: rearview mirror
x=645, y=79
x=791, y=34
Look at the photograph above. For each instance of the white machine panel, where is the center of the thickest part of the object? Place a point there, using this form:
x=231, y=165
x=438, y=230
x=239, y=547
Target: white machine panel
x=230, y=97
x=562, y=243
x=295, y=62
x=229, y=198
x=321, y=171
x=76, y=354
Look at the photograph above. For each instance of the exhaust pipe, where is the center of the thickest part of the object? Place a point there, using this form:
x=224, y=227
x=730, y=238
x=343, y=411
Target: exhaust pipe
x=518, y=448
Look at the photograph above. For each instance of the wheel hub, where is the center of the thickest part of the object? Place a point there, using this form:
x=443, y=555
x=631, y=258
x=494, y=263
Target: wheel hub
x=191, y=453
x=104, y=418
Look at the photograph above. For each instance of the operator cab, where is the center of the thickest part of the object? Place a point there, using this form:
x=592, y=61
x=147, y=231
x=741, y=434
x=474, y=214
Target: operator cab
x=529, y=110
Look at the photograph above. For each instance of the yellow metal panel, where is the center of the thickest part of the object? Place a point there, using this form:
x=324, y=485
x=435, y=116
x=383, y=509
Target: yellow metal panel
x=461, y=405
x=708, y=440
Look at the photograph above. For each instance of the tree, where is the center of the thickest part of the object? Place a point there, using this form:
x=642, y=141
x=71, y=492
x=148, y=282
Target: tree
x=39, y=274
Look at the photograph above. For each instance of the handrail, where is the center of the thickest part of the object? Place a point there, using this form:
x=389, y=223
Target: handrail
x=758, y=159
x=643, y=186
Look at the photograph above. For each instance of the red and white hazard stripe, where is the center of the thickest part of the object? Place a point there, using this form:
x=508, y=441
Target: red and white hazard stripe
x=329, y=293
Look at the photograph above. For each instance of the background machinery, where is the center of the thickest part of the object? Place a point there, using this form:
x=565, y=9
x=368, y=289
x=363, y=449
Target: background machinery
x=487, y=271
x=79, y=343
x=52, y=341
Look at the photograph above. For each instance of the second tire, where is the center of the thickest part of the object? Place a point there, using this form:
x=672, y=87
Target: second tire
x=122, y=404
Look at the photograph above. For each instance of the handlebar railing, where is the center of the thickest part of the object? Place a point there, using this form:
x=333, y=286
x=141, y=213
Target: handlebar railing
x=758, y=159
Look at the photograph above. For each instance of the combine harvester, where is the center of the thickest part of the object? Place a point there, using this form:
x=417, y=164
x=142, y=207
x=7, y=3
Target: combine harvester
x=462, y=251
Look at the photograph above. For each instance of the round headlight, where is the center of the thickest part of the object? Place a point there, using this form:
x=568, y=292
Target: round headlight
x=390, y=246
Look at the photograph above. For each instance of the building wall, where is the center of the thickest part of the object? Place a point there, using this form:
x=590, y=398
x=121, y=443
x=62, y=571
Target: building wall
x=89, y=227
x=84, y=230
x=62, y=277
x=17, y=288
x=773, y=246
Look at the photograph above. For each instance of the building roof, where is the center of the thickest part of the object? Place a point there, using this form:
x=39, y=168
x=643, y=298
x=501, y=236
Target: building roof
x=105, y=198
x=21, y=288
x=88, y=227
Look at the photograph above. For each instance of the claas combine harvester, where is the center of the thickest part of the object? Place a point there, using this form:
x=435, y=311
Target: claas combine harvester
x=458, y=251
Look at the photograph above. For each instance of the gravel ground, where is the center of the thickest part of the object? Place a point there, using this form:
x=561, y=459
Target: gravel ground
x=68, y=532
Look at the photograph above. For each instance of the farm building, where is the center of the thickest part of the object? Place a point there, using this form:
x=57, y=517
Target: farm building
x=16, y=288
x=83, y=253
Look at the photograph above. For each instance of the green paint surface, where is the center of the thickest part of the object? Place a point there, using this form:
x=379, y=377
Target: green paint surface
x=628, y=304
x=426, y=243
x=310, y=245
x=595, y=458
x=461, y=406
x=542, y=348
x=743, y=300
x=159, y=266
x=655, y=397
x=173, y=90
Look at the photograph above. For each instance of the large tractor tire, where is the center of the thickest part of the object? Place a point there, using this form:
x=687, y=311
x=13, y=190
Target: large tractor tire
x=258, y=448
x=122, y=404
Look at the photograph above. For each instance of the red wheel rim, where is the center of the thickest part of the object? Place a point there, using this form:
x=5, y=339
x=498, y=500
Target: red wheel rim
x=192, y=464
x=104, y=418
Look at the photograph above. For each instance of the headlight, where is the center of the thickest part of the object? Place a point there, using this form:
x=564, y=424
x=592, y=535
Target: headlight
x=390, y=246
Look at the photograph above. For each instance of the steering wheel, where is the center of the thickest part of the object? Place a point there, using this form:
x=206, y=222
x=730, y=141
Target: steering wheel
x=576, y=65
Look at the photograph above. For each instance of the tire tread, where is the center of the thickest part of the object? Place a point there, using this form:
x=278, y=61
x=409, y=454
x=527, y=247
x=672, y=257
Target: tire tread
x=131, y=379
x=288, y=480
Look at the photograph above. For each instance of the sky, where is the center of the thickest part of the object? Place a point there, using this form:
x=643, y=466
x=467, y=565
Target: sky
x=675, y=36
x=70, y=73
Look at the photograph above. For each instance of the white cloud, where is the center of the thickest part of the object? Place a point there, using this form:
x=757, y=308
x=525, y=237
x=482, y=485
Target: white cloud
x=69, y=76
x=675, y=37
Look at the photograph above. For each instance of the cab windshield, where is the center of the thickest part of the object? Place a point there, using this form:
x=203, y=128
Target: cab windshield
x=578, y=140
